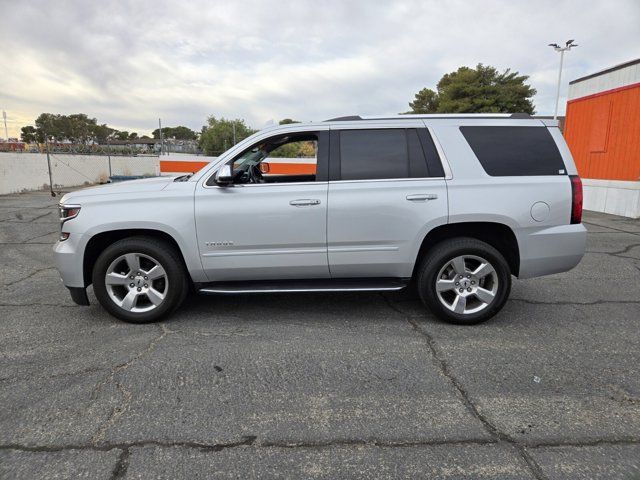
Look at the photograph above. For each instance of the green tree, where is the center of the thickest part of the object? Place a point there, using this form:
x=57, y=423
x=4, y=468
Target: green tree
x=287, y=121
x=218, y=136
x=301, y=149
x=123, y=135
x=29, y=134
x=477, y=90
x=50, y=124
x=179, y=133
x=426, y=101
x=101, y=133
x=78, y=127
x=133, y=135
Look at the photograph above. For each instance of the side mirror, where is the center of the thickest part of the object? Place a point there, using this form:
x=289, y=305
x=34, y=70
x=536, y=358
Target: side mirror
x=224, y=176
x=264, y=167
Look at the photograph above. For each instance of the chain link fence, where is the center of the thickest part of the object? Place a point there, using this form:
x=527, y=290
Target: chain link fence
x=69, y=169
x=59, y=173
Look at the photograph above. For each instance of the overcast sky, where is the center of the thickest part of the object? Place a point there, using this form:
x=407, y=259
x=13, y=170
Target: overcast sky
x=128, y=63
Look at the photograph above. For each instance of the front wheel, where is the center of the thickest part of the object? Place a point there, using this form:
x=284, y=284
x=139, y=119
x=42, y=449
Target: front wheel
x=464, y=281
x=139, y=279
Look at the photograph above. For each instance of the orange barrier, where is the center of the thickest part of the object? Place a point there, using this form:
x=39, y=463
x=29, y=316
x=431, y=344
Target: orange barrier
x=603, y=133
x=177, y=166
x=292, y=168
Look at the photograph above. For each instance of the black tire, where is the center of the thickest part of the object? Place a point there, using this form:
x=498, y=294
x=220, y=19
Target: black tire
x=437, y=259
x=165, y=254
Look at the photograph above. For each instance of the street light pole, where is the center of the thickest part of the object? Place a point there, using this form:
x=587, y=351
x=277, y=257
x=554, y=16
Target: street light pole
x=6, y=133
x=161, y=137
x=568, y=46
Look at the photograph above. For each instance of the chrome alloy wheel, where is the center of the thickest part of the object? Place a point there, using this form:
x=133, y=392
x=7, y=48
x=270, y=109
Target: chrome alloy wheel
x=467, y=284
x=136, y=282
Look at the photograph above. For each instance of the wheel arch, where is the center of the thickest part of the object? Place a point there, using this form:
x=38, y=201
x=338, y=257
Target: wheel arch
x=98, y=242
x=498, y=235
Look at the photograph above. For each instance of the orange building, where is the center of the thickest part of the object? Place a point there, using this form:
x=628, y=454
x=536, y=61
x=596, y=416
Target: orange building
x=603, y=132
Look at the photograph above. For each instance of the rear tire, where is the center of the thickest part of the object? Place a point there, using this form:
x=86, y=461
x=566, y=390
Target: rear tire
x=464, y=281
x=140, y=279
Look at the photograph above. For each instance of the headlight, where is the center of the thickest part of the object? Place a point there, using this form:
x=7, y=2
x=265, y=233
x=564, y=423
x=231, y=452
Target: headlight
x=67, y=212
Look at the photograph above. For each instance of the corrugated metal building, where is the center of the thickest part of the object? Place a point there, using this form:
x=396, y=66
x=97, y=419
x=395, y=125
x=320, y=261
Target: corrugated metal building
x=603, y=132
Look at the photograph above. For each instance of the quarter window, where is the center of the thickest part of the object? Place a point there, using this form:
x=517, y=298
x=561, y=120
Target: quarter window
x=515, y=151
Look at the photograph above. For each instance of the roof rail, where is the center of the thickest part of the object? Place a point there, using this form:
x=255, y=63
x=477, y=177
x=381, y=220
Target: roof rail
x=430, y=116
x=345, y=119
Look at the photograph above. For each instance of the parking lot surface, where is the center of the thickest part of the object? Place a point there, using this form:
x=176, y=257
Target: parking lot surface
x=320, y=385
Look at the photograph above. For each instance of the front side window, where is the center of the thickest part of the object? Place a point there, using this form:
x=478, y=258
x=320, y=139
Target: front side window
x=280, y=159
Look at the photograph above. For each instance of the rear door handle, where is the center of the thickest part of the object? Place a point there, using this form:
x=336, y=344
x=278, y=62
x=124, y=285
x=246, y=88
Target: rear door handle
x=422, y=197
x=304, y=202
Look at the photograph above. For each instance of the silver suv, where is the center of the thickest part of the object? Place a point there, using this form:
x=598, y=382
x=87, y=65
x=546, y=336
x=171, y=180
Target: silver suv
x=449, y=205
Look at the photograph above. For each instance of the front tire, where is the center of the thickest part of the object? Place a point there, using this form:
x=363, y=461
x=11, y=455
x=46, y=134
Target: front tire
x=464, y=281
x=140, y=279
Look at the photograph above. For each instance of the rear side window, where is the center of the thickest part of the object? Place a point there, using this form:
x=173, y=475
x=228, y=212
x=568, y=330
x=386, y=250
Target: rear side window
x=385, y=154
x=515, y=151
x=371, y=154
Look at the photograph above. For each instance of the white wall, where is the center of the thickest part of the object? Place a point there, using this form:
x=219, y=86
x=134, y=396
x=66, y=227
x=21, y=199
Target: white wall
x=28, y=171
x=621, y=77
x=612, y=196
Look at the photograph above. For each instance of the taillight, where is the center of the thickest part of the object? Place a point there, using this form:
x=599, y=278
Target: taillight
x=576, y=199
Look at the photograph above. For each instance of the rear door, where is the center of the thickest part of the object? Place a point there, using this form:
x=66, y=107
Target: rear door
x=386, y=191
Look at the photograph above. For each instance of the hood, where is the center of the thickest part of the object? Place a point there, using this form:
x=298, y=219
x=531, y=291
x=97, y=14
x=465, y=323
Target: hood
x=127, y=186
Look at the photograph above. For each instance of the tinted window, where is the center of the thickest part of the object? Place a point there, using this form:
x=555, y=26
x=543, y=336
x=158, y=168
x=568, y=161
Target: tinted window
x=417, y=163
x=371, y=154
x=515, y=151
x=430, y=151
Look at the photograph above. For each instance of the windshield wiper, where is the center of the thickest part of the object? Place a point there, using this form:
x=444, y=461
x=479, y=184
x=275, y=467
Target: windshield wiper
x=182, y=178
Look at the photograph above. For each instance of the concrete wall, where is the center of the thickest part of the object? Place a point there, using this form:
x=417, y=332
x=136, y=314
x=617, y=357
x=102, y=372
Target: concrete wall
x=28, y=171
x=612, y=196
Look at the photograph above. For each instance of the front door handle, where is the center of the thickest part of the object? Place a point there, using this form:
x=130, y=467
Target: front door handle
x=422, y=197
x=304, y=202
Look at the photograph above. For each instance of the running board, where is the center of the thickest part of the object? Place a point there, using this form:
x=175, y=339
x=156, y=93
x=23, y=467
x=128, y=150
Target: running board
x=295, y=286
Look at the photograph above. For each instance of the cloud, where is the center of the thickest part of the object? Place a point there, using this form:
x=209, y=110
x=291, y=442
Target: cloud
x=128, y=63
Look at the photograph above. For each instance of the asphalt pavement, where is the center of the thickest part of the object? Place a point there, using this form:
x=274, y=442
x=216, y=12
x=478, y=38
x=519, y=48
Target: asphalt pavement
x=364, y=385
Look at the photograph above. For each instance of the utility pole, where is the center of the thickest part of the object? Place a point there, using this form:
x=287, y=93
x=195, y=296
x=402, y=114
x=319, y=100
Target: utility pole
x=234, y=132
x=568, y=46
x=109, y=156
x=46, y=141
x=161, y=137
x=6, y=132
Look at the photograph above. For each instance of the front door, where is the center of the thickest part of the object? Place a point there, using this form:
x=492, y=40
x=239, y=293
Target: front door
x=270, y=223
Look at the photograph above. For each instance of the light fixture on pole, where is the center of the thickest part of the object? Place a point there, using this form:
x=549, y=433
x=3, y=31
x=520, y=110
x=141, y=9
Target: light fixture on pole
x=568, y=46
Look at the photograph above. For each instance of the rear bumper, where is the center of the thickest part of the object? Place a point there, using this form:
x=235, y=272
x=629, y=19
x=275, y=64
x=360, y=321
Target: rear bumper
x=551, y=250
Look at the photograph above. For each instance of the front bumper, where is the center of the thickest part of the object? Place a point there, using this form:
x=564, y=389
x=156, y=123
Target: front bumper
x=79, y=295
x=69, y=260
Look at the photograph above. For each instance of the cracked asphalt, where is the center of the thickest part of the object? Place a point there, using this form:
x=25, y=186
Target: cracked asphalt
x=323, y=385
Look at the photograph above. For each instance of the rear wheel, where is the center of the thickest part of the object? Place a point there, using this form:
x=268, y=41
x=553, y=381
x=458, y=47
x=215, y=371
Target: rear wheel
x=139, y=279
x=464, y=281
